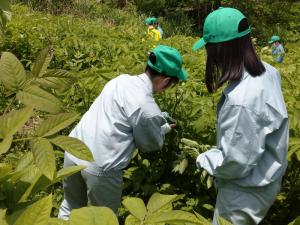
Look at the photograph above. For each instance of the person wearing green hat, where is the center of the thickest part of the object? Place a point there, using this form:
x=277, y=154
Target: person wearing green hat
x=277, y=48
x=153, y=29
x=123, y=117
x=249, y=160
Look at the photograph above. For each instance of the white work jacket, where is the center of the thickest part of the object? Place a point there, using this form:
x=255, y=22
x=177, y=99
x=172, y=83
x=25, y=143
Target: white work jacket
x=252, y=132
x=123, y=117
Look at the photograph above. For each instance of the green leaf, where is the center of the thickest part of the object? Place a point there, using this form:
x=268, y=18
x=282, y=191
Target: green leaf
x=42, y=62
x=44, y=156
x=5, y=5
x=12, y=72
x=136, y=207
x=56, y=79
x=158, y=201
x=2, y=217
x=295, y=222
x=13, y=121
x=55, y=123
x=67, y=171
x=55, y=221
x=5, y=144
x=93, y=216
x=30, y=178
x=174, y=216
x=131, y=220
x=222, y=221
x=24, y=161
x=5, y=169
x=41, y=99
x=73, y=146
x=36, y=214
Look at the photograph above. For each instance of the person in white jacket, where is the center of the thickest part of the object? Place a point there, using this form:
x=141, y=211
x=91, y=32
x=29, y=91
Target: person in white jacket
x=249, y=160
x=123, y=117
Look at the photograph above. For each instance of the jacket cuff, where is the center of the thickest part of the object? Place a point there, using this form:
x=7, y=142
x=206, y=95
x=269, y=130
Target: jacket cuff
x=166, y=128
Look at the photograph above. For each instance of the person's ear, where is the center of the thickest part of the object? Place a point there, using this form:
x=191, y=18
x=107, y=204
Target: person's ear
x=166, y=82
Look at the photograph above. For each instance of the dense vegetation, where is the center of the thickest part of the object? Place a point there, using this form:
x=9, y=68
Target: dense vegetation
x=66, y=59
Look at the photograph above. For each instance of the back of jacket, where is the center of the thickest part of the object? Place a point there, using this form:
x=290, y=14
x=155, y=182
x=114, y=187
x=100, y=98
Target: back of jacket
x=252, y=132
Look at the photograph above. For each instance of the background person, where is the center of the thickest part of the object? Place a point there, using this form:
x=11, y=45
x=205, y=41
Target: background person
x=252, y=125
x=152, y=29
x=277, y=48
x=124, y=116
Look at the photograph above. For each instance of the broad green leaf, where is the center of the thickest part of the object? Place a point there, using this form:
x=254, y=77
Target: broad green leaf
x=56, y=79
x=295, y=222
x=44, y=157
x=201, y=218
x=30, y=178
x=2, y=217
x=42, y=62
x=12, y=72
x=67, y=171
x=41, y=99
x=174, y=216
x=56, y=221
x=24, y=161
x=55, y=123
x=158, y=201
x=93, y=216
x=36, y=214
x=222, y=221
x=13, y=121
x=5, y=169
x=131, y=220
x=73, y=146
x=4, y=5
x=136, y=207
x=5, y=144
x=5, y=17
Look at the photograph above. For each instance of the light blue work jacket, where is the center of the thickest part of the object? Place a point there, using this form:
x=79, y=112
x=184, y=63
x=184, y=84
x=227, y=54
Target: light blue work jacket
x=279, y=53
x=252, y=132
x=124, y=116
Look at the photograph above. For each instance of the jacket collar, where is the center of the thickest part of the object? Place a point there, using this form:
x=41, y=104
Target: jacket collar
x=147, y=82
x=232, y=84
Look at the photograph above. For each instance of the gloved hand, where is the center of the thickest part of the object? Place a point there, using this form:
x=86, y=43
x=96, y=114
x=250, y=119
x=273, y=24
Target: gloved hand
x=168, y=118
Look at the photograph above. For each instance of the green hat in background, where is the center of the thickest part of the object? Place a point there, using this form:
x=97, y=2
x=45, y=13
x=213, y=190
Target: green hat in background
x=151, y=20
x=274, y=39
x=221, y=25
x=168, y=62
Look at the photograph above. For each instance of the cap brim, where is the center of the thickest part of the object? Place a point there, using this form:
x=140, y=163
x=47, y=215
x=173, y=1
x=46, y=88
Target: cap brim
x=183, y=76
x=199, y=44
x=271, y=42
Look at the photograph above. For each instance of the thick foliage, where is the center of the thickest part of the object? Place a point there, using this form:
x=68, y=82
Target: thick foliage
x=95, y=52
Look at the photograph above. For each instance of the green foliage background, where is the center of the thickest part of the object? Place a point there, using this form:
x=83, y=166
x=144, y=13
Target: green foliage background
x=97, y=42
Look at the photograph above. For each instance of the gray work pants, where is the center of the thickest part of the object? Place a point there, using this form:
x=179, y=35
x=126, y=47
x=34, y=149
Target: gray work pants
x=88, y=187
x=245, y=206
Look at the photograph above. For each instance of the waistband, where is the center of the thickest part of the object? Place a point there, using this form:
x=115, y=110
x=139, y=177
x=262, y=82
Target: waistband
x=98, y=171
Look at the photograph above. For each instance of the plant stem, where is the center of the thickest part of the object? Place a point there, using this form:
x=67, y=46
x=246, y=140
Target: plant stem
x=23, y=139
x=9, y=105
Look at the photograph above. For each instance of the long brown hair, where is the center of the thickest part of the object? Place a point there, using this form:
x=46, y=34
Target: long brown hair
x=226, y=61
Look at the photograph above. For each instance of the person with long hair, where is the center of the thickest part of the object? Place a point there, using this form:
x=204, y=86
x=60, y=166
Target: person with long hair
x=249, y=160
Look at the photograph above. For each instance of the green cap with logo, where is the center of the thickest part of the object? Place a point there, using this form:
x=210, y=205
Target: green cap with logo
x=221, y=25
x=151, y=20
x=168, y=62
x=274, y=39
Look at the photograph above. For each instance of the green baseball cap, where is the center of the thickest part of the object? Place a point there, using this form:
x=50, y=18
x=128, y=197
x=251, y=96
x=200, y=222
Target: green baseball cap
x=151, y=20
x=273, y=39
x=169, y=62
x=221, y=25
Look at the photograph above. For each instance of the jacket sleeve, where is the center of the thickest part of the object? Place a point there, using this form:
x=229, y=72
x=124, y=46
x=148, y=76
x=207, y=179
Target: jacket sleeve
x=241, y=137
x=149, y=131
